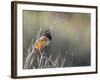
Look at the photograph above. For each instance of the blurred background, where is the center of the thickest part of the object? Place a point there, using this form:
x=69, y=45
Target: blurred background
x=70, y=36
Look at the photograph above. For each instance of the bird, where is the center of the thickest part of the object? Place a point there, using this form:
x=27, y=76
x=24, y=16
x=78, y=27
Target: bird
x=43, y=41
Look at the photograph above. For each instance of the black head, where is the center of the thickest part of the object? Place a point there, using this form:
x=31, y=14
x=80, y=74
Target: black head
x=48, y=35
